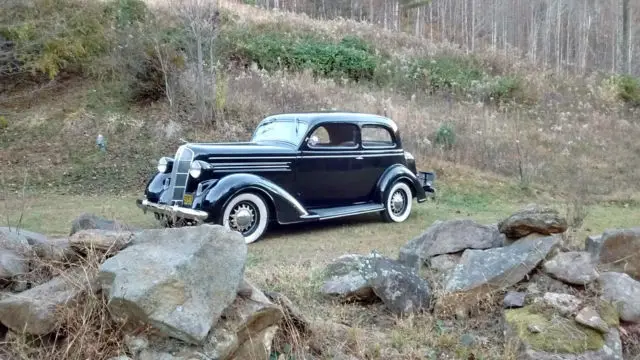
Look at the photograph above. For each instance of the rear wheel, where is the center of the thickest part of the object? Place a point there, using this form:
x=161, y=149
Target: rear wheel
x=397, y=204
x=248, y=214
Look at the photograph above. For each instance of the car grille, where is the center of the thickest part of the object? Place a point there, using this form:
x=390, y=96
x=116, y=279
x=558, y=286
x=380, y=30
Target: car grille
x=180, y=174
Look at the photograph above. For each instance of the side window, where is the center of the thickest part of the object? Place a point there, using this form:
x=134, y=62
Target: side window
x=334, y=135
x=376, y=136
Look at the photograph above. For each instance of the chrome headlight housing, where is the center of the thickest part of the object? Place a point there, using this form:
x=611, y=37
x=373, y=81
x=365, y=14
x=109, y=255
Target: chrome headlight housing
x=197, y=167
x=164, y=164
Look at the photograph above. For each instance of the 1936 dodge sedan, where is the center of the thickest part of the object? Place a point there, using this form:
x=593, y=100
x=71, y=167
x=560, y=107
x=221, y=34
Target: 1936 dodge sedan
x=296, y=168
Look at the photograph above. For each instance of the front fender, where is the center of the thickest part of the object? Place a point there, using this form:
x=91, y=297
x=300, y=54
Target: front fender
x=282, y=204
x=393, y=174
x=155, y=187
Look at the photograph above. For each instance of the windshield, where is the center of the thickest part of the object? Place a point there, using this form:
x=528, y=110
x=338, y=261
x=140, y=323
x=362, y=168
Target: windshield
x=288, y=130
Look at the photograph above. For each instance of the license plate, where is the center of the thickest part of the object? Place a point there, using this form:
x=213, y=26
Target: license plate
x=188, y=199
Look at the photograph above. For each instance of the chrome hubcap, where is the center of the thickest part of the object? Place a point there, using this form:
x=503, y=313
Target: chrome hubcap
x=243, y=217
x=398, y=202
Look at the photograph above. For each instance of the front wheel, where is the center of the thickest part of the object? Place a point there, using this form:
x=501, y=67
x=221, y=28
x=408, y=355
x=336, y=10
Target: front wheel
x=397, y=204
x=247, y=214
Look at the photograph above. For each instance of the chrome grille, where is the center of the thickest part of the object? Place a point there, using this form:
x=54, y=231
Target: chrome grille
x=180, y=174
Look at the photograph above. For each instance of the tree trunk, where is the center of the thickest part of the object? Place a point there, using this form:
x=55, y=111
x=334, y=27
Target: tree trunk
x=626, y=46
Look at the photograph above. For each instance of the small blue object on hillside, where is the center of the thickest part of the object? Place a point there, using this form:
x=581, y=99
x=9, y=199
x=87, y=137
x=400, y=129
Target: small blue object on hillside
x=100, y=142
x=295, y=168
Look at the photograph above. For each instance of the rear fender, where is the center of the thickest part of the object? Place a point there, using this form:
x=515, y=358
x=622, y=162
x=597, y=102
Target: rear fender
x=393, y=174
x=284, y=207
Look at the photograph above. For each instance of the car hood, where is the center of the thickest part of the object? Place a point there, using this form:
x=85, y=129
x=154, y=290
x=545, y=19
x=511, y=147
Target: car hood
x=203, y=151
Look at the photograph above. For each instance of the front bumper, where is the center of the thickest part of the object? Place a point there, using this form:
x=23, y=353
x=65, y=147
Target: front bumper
x=174, y=211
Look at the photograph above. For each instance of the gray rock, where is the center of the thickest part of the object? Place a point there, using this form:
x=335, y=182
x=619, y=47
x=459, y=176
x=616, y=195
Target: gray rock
x=33, y=311
x=481, y=272
x=452, y=236
x=370, y=277
x=617, y=250
x=514, y=299
x=344, y=277
x=588, y=316
x=179, y=280
x=444, y=263
x=136, y=344
x=557, y=338
x=593, y=245
x=572, y=267
x=122, y=357
x=12, y=264
x=33, y=238
x=533, y=219
x=564, y=304
x=90, y=221
x=624, y=292
x=400, y=289
x=57, y=249
x=106, y=241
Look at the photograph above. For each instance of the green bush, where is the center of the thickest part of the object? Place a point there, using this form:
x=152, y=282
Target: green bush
x=627, y=88
x=351, y=57
x=454, y=74
x=445, y=136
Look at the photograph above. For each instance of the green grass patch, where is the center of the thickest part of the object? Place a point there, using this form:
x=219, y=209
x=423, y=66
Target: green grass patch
x=626, y=88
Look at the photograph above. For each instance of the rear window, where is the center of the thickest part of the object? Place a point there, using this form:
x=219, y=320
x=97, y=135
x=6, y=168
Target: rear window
x=376, y=136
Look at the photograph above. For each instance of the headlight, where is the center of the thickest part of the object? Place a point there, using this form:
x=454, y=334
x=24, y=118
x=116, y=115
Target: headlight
x=164, y=164
x=195, y=170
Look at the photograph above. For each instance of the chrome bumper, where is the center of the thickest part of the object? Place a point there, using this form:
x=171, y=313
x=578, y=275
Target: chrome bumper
x=173, y=211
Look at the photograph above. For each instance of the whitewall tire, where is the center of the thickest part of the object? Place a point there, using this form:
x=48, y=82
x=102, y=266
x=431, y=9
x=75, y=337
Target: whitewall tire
x=248, y=214
x=397, y=204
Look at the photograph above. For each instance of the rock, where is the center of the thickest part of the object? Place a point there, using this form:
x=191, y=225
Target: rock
x=622, y=291
x=480, y=272
x=246, y=328
x=593, y=245
x=533, y=219
x=12, y=264
x=136, y=344
x=514, y=299
x=445, y=237
x=56, y=250
x=588, y=316
x=344, y=277
x=33, y=311
x=291, y=313
x=367, y=277
x=178, y=280
x=122, y=357
x=90, y=221
x=558, y=338
x=107, y=241
x=617, y=250
x=32, y=238
x=245, y=289
x=565, y=304
x=572, y=267
x=400, y=289
x=444, y=263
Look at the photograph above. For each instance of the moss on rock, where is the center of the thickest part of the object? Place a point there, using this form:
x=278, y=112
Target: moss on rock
x=558, y=334
x=608, y=312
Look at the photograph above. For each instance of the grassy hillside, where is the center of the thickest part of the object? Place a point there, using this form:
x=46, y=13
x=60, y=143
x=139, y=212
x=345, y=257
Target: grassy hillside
x=565, y=134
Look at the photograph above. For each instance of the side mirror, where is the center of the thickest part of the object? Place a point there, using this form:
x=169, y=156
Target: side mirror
x=313, y=140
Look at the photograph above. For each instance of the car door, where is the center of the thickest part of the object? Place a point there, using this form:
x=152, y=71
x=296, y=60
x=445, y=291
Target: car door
x=380, y=150
x=324, y=172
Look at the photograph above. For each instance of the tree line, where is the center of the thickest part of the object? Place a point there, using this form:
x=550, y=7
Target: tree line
x=569, y=36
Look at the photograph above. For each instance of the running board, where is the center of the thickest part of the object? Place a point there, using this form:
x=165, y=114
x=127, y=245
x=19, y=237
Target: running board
x=342, y=211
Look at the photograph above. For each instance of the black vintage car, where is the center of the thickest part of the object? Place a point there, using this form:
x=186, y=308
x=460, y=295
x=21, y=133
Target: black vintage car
x=296, y=168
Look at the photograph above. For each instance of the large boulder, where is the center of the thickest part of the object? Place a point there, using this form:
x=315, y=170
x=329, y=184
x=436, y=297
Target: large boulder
x=446, y=237
x=245, y=331
x=624, y=292
x=12, y=264
x=106, y=241
x=373, y=277
x=481, y=272
x=178, y=280
x=57, y=249
x=542, y=335
x=32, y=238
x=35, y=311
x=574, y=267
x=90, y=221
x=617, y=250
x=533, y=219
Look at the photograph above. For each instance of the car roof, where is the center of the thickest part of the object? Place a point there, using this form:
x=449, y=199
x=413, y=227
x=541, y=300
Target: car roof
x=314, y=118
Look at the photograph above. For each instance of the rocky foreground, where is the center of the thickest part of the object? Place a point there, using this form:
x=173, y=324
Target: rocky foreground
x=182, y=293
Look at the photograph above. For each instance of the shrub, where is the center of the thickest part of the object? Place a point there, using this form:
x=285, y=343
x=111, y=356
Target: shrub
x=626, y=88
x=445, y=136
x=453, y=74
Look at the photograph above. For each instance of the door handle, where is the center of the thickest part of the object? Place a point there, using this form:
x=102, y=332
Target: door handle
x=359, y=157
